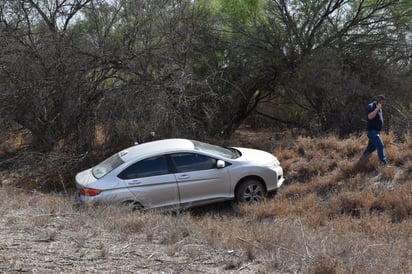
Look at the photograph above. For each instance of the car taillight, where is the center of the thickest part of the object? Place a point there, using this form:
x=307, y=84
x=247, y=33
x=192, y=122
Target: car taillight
x=89, y=191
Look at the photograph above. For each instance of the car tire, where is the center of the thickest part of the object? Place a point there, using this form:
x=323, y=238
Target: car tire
x=250, y=191
x=133, y=205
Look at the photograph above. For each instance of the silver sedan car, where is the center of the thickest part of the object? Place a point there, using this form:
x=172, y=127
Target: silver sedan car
x=180, y=173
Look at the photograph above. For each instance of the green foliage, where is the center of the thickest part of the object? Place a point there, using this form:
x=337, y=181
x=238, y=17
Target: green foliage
x=241, y=12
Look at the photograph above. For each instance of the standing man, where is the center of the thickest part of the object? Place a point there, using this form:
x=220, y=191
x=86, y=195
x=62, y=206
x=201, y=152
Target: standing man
x=374, y=127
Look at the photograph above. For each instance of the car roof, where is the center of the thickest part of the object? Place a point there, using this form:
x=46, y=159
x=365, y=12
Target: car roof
x=154, y=147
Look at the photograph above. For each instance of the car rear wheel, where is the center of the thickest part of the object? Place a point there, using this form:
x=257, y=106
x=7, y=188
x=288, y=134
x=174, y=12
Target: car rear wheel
x=132, y=205
x=250, y=191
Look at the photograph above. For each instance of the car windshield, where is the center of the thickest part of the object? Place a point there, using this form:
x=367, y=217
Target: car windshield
x=230, y=153
x=106, y=166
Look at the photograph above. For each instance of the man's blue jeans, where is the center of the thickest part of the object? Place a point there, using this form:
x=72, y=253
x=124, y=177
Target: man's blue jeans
x=375, y=143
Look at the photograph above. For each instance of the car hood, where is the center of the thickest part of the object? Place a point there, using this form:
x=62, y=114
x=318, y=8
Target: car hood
x=257, y=156
x=85, y=178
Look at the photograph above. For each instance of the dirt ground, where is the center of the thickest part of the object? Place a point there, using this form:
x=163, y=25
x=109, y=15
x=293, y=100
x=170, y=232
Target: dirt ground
x=34, y=239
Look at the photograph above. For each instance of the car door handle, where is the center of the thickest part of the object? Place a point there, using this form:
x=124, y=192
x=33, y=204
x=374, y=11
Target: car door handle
x=133, y=183
x=183, y=177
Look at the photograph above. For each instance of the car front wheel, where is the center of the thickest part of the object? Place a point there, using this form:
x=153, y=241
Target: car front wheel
x=250, y=191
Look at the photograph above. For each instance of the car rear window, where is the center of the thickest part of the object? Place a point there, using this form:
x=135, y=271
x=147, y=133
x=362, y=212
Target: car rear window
x=106, y=166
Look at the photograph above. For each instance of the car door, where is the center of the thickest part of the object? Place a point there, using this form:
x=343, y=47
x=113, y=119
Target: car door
x=151, y=182
x=199, y=179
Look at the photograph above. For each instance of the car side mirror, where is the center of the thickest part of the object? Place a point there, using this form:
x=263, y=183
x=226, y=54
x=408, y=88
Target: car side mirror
x=220, y=164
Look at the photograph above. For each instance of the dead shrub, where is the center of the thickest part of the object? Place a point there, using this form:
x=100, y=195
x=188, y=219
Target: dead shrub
x=326, y=186
x=306, y=205
x=353, y=146
x=52, y=236
x=11, y=220
x=374, y=226
x=323, y=165
x=129, y=224
x=408, y=167
x=53, y=171
x=348, y=167
x=325, y=190
x=54, y=204
x=405, y=175
x=396, y=156
x=303, y=144
x=295, y=191
x=389, y=137
x=41, y=221
x=329, y=143
x=213, y=232
x=396, y=204
x=14, y=198
x=278, y=208
x=259, y=211
x=350, y=203
x=275, y=208
x=302, y=171
x=172, y=237
x=104, y=250
x=286, y=154
x=408, y=141
x=325, y=265
x=250, y=252
x=213, y=236
x=388, y=173
x=368, y=165
x=392, y=149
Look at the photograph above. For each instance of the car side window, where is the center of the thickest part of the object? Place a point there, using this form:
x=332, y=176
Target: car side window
x=153, y=166
x=186, y=162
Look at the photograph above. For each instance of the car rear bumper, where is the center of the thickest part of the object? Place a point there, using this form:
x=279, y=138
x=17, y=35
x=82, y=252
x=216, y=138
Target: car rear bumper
x=80, y=199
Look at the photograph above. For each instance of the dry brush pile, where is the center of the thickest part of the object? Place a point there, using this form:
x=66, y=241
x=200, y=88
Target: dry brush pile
x=334, y=215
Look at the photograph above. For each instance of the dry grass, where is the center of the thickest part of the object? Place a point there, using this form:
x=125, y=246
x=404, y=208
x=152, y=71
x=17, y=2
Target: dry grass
x=334, y=215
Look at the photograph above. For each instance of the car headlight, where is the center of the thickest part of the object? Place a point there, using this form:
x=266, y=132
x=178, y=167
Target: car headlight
x=273, y=164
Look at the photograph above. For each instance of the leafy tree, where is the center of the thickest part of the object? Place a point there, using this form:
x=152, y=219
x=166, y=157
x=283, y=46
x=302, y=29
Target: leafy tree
x=296, y=41
x=174, y=66
x=47, y=70
x=166, y=69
